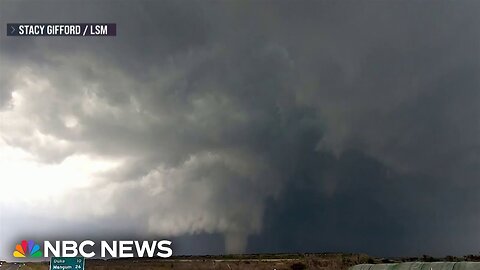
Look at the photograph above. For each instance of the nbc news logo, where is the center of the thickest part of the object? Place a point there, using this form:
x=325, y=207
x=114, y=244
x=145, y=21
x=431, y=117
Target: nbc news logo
x=27, y=249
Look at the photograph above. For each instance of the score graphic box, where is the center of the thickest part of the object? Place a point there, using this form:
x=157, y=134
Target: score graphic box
x=63, y=263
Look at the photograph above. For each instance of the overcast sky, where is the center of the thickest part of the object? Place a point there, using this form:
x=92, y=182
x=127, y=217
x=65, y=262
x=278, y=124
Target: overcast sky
x=245, y=126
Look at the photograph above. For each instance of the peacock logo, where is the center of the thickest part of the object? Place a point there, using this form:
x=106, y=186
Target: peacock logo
x=27, y=249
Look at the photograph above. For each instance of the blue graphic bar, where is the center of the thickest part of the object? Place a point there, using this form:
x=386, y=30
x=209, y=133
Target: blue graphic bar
x=61, y=29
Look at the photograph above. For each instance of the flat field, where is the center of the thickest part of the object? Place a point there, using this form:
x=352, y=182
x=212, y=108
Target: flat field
x=260, y=262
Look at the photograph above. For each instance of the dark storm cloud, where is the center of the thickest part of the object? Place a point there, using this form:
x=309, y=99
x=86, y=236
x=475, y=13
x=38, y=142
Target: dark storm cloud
x=355, y=203
x=307, y=126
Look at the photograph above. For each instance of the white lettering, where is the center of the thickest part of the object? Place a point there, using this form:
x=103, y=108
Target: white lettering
x=124, y=249
x=49, y=248
x=111, y=249
x=164, y=246
x=69, y=246
x=82, y=249
x=146, y=246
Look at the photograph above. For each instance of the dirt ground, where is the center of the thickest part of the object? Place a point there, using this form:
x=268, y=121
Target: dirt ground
x=260, y=262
